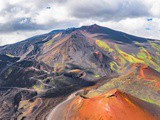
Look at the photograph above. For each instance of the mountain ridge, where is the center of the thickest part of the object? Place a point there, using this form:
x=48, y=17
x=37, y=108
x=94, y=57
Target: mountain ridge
x=39, y=74
x=73, y=29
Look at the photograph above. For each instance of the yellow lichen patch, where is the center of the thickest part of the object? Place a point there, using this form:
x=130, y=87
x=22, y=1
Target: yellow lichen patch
x=39, y=89
x=97, y=76
x=50, y=42
x=148, y=58
x=156, y=46
x=104, y=45
x=59, y=68
x=28, y=106
x=113, y=66
x=129, y=57
x=9, y=55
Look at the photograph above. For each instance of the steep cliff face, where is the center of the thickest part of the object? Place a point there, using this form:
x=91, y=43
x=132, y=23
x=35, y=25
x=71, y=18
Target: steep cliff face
x=39, y=73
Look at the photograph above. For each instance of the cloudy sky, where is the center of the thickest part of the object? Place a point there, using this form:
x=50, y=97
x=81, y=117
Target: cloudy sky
x=20, y=19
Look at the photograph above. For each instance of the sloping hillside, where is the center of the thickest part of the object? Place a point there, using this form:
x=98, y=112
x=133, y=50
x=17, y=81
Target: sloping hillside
x=39, y=73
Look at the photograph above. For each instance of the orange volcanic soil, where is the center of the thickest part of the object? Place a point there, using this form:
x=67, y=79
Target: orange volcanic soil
x=113, y=105
x=147, y=72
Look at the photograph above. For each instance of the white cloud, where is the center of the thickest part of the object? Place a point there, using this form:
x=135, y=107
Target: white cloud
x=108, y=10
x=13, y=37
x=3, y=5
x=134, y=26
x=29, y=17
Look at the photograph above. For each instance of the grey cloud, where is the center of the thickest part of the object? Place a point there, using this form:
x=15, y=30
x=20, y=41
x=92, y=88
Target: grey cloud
x=105, y=11
x=22, y=23
x=19, y=24
x=61, y=1
x=100, y=11
x=25, y=24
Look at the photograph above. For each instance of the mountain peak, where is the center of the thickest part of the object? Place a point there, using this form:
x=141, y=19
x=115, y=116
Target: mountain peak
x=95, y=25
x=96, y=29
x=90, y=26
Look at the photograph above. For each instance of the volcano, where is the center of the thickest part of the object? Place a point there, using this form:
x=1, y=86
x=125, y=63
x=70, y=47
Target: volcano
x=41, y=73
x=113, y=105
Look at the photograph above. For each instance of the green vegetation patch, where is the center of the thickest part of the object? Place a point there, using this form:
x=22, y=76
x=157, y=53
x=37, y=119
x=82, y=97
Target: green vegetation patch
x=156, y=46
x=38, y=88
x=140, y=88
x=104, y=45
x=50, y=42
x=113, y=66
x=97, y=76
x=148, y=58
x=128, y=57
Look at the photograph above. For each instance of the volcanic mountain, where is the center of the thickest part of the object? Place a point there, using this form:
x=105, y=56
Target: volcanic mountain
x=38, y=74
x=113, y=105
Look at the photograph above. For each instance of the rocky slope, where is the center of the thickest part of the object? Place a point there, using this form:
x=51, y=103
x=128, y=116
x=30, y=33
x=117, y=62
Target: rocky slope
x=39, y=73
